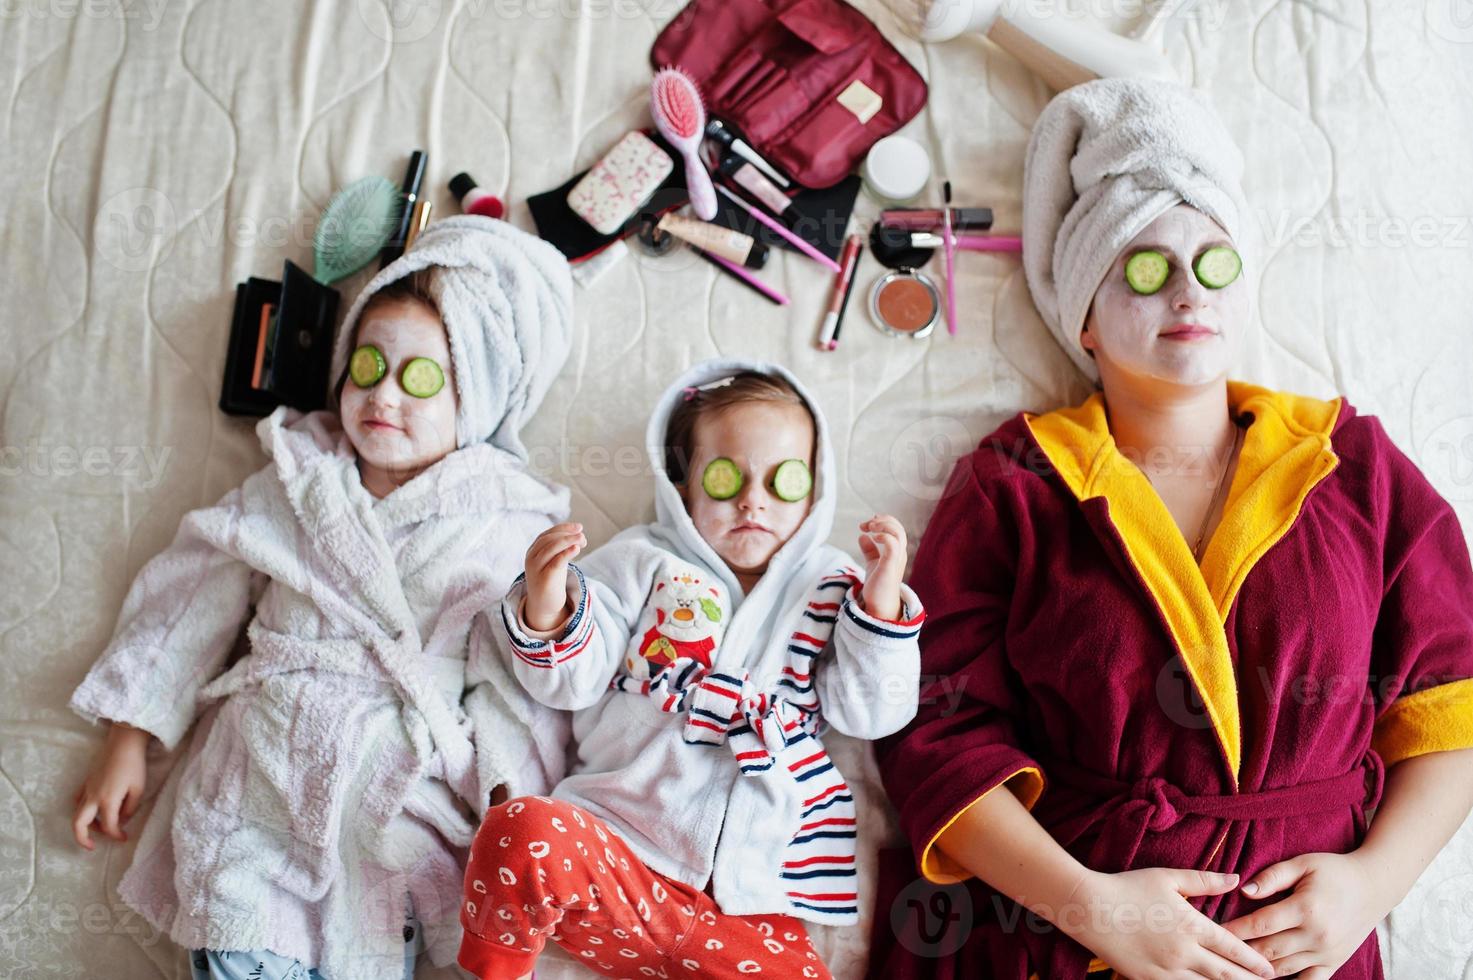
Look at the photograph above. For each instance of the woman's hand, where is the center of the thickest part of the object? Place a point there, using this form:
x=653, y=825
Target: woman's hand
x=882, y=542
x=1141, y=923
x=547, y=575
x=114, y=787
x=1335, y=903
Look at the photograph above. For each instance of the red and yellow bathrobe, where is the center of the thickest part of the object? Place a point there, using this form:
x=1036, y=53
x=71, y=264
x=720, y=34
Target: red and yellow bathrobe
x=1152, y=712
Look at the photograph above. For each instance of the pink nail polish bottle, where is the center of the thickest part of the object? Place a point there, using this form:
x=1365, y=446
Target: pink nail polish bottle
x=472, y=199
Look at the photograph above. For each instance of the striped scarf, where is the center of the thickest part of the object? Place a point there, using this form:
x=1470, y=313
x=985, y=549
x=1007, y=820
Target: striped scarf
x=722, y=707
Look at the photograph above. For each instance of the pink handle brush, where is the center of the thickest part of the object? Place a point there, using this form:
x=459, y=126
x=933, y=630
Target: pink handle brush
x=681, y=119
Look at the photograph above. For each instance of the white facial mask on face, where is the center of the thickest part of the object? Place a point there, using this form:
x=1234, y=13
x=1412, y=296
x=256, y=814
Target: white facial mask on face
x=391, y=430
x=1184, y=333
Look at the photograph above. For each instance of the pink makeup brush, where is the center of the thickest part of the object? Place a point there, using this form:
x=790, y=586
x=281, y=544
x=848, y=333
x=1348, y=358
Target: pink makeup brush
x=681, y=119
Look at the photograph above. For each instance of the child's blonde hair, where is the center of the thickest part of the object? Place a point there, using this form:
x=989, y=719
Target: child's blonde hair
x=712, y=399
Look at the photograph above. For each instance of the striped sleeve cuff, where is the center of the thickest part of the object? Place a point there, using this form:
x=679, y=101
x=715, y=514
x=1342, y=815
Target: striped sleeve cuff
x=908, y=627
x=545, y=652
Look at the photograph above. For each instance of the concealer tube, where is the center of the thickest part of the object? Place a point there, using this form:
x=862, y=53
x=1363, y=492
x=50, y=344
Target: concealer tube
x=730, y=245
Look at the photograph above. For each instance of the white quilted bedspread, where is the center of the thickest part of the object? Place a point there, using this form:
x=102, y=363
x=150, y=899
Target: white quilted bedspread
x=152, y=154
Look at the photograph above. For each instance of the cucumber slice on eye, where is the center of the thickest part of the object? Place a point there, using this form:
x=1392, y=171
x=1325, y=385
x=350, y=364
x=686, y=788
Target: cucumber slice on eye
x=422, y=378
x=792, y=481
x=1217, y=267
x=367, y=366
x=1147, y=271
x=722, y=479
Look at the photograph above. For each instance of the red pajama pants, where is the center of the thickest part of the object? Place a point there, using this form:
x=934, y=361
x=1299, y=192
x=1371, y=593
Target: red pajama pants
x=544, y=869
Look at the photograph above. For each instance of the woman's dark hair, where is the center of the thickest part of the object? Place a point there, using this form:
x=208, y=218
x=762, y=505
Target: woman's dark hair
x=414, y=287
x=743, y=387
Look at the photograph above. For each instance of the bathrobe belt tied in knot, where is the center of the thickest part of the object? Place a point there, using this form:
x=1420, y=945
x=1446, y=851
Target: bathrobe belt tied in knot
x=1156, y=805
x=428, y=685
x=1130, y=810
x=727, y=708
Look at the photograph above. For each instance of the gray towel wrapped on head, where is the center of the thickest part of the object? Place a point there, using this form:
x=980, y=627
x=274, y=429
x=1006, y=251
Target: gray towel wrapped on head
x=506, y=298
x=1107, y=158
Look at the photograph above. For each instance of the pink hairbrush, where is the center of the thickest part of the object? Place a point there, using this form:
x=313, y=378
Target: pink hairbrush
x=681, y=119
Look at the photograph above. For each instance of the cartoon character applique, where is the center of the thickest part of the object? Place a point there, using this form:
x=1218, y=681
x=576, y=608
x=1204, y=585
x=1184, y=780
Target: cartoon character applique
x=686, y=617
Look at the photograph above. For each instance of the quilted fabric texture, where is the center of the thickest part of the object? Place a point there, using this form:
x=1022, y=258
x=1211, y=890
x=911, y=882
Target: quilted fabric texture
x=154, y=153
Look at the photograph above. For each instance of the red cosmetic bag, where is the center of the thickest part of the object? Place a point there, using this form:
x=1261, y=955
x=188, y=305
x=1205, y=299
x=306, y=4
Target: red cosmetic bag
x=775, y=71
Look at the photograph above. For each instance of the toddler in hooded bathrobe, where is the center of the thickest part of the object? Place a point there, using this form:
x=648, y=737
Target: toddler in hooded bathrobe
x=340, y=764
x=704, y=655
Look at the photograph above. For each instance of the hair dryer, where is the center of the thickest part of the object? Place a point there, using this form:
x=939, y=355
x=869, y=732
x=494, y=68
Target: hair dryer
x=1054, y=45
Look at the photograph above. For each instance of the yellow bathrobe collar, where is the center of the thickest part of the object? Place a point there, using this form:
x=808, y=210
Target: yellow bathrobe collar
x=1286, y=452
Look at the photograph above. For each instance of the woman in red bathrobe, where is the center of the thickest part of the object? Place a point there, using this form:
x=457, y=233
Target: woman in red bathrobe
x=1185, y=639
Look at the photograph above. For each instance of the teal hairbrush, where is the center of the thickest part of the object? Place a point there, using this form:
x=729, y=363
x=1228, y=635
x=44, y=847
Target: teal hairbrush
x=355, y=226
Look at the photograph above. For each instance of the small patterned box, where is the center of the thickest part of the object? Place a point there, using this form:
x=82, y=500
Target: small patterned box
x=627, y=175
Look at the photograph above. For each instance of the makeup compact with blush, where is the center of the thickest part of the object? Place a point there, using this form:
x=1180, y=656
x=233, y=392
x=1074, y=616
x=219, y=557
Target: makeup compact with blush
x=906, y=302
x=280, y=344
x=903, y=302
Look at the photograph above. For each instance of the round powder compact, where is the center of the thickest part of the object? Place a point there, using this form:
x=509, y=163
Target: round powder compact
x=905, y=303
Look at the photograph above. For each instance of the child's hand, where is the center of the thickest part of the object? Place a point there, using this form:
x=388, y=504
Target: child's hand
x=114, y=787
x=547, y=575
x=882, y=541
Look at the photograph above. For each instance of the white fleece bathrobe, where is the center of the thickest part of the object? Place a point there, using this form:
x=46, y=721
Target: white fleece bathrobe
x=336, y=773
x=340, y=768
x=705, y=753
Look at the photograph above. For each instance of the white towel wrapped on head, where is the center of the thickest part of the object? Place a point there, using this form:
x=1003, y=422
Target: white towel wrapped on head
x=506, y=298
x=1107, y=158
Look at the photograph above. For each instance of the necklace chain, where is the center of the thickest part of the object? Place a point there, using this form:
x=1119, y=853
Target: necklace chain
x=1217, y=492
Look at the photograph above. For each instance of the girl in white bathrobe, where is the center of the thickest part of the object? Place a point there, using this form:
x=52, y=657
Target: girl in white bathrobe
x=705, y=657
x=340, y=765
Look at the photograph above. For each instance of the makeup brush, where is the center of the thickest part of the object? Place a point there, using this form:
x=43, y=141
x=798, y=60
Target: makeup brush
x=1054, y=46
x=681, y=119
